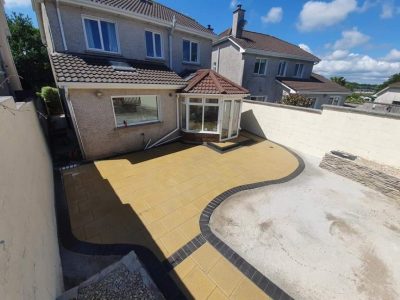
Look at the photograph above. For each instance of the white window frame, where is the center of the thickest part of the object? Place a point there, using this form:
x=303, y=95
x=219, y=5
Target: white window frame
x=334, y=100
x=83, y=17
x=259, y=98
x=137, y=123
x=266, y=66
x=279, y=67
x=302, y=70
x=153, y=33
x=187, y=103
x=190, y=51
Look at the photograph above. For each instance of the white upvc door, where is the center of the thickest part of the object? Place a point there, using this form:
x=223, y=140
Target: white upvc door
x=230, y=119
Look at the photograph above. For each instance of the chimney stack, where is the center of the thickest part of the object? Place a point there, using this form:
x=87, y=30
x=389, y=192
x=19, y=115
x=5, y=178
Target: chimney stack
x=238, y=21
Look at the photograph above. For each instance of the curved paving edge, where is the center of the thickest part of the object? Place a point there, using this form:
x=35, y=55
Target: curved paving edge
x=247, y=269
x=157, y=269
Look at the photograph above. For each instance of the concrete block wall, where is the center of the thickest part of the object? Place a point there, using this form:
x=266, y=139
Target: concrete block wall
x=30, y=266
x=372, y=136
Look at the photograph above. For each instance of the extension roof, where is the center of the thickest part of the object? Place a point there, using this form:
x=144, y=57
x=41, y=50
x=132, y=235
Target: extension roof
x=316, y=83
x=206, y=81
x=96, y=69
x=268, y=43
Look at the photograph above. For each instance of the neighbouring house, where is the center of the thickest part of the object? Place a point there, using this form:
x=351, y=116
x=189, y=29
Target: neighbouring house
x=271, y=68
x=116, y=64
x=389, y=95
x=9, y=79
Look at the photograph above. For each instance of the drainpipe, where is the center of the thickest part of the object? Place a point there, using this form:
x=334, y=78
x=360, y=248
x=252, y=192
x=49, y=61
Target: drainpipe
x=157, y=143
x=61, y=26
x=171, y=32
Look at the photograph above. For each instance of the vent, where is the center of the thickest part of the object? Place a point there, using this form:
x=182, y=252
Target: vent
x=121, y=66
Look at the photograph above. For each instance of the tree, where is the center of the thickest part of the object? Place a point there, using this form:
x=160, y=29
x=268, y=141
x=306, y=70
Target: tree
x=392, y=79
x=339, y=80
x=30, y=55
x=297, y=100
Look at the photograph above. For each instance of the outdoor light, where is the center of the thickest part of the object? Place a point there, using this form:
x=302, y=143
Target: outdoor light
x=99, y=94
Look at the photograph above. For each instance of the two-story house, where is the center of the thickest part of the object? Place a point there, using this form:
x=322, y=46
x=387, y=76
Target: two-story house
x=116, y=64
x=271, y=68
x=9, y=79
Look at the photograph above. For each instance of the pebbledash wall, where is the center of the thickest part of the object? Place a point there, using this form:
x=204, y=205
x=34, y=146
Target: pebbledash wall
x=29, y=254
x=373, y=136
x=96, y=121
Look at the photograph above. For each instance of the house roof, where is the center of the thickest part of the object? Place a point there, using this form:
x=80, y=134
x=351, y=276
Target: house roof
x=155, y=10
x=395, y=85
x=207, y=81
x=316, y=83
x=94, y=69
x=268, y=43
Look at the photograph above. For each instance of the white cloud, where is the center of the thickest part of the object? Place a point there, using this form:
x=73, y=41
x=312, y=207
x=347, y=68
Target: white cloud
x=233, y=4
x=17, y=3
x=274, y=15
x=305, y=47
x=388, y=10
x=350, y=39
x=393, y=55
x=356, y=67
x=320, y=14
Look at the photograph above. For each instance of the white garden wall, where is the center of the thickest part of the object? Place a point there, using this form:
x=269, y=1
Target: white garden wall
x=370, y=135
x=30, y=265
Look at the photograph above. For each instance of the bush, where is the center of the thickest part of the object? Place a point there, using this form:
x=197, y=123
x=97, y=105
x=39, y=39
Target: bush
x=52, y=99
x=297, y=100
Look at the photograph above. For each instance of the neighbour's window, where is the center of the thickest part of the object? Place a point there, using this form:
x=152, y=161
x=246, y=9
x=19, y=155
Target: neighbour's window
x=334, y=100
x=258, y=98
x=260, y=66
x=282, y=68
x=190, y=51
x=101, y=35
x=131, y=110
x=200, y=114
x=396, y=102
x=153, y=44
x=298, y=70
x=214, y=67
x=312, y=101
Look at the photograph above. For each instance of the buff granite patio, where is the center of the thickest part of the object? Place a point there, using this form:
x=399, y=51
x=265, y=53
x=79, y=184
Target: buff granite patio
x=155, y=199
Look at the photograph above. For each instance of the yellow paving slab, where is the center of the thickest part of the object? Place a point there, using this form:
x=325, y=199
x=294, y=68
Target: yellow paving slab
x=155, y=199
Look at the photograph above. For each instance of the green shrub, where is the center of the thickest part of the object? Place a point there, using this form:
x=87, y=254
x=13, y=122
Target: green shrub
x=52, y=99
x=297, y=100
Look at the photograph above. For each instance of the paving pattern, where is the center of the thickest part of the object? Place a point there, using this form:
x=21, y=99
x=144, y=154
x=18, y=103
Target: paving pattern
x=155, y=199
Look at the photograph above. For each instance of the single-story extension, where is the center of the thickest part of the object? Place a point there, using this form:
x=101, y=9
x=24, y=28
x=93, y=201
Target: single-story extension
x=389, y=95
x=317, y=88
x=119, y=105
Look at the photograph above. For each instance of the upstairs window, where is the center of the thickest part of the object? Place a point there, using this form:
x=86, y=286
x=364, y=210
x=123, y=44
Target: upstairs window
x=153, y=45
x=282, y=68
x=101, y=35
x=190, y=51
x=298, y=70
x=260, y=66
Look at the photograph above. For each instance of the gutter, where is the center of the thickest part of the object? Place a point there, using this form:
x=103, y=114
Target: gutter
x=121, y=12
x=61, y=25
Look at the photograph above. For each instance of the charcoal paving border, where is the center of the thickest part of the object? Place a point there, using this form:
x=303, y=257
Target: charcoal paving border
x=247, y=269
x=159, y=270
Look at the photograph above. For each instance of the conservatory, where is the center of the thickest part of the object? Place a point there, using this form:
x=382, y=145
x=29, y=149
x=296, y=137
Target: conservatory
x=210, y=107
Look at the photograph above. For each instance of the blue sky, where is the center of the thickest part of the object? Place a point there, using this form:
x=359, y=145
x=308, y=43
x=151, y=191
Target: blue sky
x=357, y=39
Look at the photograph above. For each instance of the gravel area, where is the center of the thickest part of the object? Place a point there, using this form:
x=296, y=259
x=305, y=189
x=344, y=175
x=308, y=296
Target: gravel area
x=118, y=284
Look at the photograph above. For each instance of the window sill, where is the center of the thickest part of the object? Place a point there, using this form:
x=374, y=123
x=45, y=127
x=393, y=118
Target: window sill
x=190, y=63
x=156, y=59
x=103, y=53
x=137, y=125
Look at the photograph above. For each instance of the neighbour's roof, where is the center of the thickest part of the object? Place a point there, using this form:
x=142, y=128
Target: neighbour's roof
x=269, y=43
x=155, y=10
x=395, y=85
x=207, y=81
x=316, y=83
x=95, y=69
